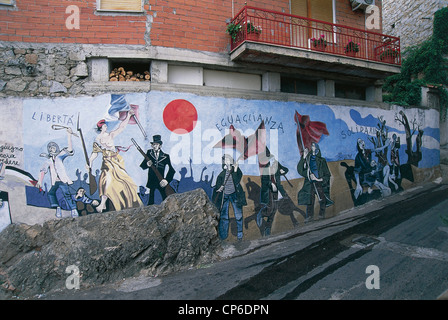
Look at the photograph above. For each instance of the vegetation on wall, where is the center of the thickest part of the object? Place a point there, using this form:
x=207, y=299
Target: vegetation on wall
x=423, y=65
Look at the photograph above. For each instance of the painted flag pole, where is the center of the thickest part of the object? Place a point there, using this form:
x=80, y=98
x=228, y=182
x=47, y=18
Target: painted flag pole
x=92, y=182
x=119, y=106
x=140, y=126
x=301, y=139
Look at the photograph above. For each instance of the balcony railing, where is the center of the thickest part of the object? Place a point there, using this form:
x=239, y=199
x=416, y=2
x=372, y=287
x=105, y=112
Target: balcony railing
x=276, y=28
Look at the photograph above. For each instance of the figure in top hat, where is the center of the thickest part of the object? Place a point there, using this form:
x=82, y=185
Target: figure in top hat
x=161, y=161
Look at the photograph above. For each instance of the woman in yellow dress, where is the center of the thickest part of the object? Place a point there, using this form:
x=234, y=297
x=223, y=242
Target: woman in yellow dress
x=115, y=183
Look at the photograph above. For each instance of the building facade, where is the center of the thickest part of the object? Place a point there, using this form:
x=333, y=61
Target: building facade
x=86, y=85
x=412, y=21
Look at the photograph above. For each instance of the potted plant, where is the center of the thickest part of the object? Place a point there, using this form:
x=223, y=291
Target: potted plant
x=232, y=30
x=251, y=28
x=319, y=43
x=352, y=48
x=389, y=55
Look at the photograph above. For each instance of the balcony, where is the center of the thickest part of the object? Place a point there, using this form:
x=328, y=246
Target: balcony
x=270, y=37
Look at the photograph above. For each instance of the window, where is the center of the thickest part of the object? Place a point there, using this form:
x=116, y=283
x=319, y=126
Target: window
x=348, y=91
x=119, y=5
x=321, y=10
x=314, y=9
x=7, y=2
x=129, y=69
x=294, y=85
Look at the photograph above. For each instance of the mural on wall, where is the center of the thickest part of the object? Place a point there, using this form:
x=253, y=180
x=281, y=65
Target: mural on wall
x=117, y=190
x=12, y=178
x=60, y=181
x=259, y=161
x=312, y=166
x=157, y=161
x=384, y=175
x=5, y=214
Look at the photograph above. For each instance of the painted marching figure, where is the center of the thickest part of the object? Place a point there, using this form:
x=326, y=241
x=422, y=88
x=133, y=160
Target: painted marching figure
x=161, y=161
x=367, y=172
x=313, y=167
x=228, y=190
x=273, y=196
x=395, y=174
x=59, y=178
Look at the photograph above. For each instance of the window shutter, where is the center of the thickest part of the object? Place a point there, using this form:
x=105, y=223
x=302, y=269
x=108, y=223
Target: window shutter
x=322, y=10
x=319, y=9
x=299, y=8
x=120, y=5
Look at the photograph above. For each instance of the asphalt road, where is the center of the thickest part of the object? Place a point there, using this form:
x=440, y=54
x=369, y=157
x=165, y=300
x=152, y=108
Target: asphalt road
x=410, y=261
x=403, y=237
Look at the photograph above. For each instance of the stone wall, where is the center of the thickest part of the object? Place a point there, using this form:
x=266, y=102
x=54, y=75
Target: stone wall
x=49, y=70
x=412, y=21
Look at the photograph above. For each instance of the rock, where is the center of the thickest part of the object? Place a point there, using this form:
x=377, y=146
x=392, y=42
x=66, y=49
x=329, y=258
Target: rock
x=57, y=87
x=80, y=70
x=31, y=58
x=77, y=56
x=16, y=84
x=13, y=71
x=61, y=70
x=33, y=86
x=176, y=235
x=19, y=51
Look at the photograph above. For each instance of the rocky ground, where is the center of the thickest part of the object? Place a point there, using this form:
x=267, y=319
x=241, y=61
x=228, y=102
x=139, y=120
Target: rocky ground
x=176, y=235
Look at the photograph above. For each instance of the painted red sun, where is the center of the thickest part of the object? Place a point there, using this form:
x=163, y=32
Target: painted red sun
x=180, y=116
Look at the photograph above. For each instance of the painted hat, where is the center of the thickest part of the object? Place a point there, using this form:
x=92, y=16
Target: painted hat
x=157, y=139
x=53, y=144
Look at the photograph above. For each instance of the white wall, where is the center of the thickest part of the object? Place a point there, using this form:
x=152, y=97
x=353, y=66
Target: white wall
x=232, y=80
x=213, y=78
x=185, y=75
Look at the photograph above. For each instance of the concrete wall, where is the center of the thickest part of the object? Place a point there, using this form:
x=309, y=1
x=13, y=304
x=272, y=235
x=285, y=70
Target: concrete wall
x=191, y=127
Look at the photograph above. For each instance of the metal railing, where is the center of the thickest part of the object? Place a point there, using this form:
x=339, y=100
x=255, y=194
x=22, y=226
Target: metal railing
x=276, y=28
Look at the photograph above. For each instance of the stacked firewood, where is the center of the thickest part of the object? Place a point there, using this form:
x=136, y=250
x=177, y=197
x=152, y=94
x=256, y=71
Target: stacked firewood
x=120, y=74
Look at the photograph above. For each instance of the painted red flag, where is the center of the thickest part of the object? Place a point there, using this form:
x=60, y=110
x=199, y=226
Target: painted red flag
x=246, y=146
x=256, y=143
x=233, y=140
x=308, y=131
